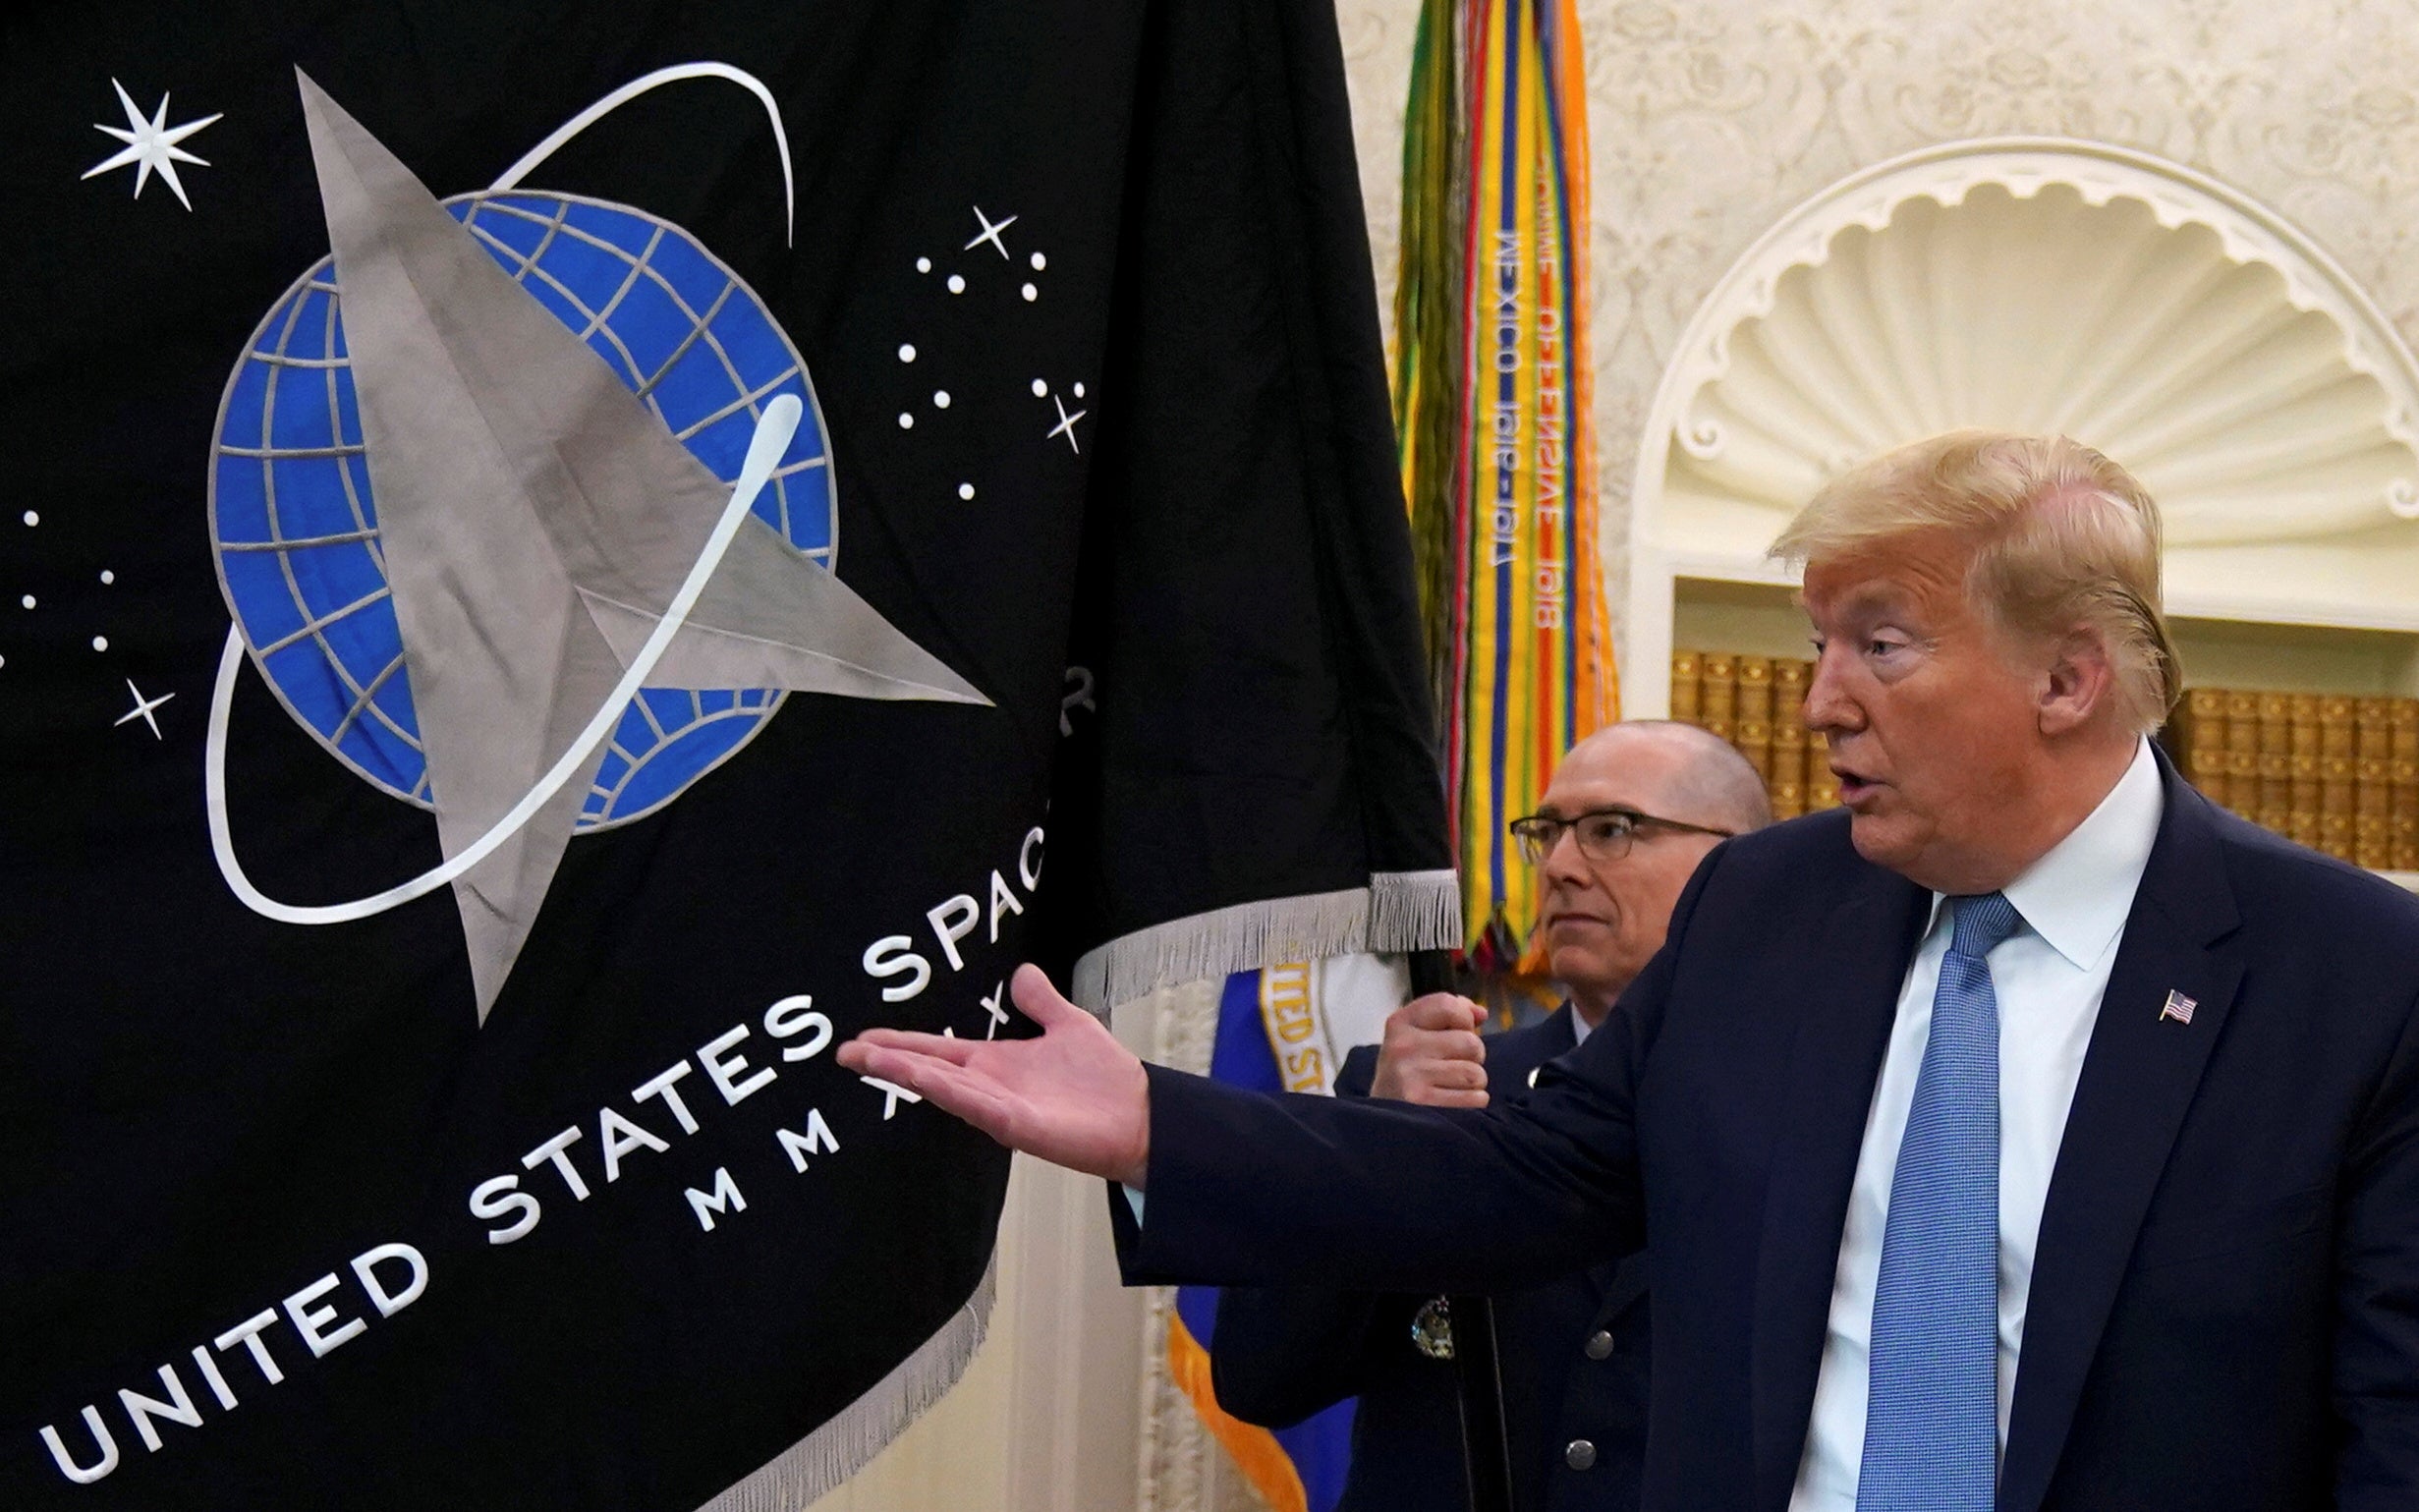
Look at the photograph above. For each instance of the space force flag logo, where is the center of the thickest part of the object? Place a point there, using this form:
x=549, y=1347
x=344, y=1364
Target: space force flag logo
x=456, y=787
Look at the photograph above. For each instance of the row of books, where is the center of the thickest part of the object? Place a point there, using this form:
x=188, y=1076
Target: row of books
x=2338, y=773
x=1752, y=701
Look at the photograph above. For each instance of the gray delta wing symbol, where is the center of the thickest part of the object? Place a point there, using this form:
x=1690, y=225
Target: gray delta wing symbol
x=550, y=548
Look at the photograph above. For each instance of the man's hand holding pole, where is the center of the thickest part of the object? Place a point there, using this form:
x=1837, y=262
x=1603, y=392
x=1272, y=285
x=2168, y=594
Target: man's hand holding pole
x=1432, y=1054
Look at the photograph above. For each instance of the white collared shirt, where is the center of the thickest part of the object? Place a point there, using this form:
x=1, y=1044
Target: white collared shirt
x=2048, y=977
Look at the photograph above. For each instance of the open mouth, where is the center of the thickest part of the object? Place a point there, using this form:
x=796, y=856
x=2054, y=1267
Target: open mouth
x=1853, y=787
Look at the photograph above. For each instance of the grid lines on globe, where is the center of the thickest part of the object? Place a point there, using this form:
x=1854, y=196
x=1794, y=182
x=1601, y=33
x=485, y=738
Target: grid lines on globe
x=294, y=515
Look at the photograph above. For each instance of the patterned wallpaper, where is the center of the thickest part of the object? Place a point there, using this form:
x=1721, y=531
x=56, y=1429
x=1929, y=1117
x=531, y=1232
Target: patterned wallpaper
x=1710, y=120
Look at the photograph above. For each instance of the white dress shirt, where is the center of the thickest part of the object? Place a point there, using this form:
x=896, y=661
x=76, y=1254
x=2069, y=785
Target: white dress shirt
x=2048, y=977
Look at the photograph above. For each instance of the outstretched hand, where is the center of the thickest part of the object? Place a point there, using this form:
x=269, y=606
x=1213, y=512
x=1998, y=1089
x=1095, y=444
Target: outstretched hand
x=1074, y=1097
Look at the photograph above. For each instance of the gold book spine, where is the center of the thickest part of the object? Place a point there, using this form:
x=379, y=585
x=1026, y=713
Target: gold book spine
x=1789, y=680
x=2335, y=808
x=1754, y=740
x=2372, y=841
x=1822, y=788
x=2373, y=783
x=2402, y=843
x=2335, y=726
x=2195, y=737
x=1685, y=670
x=2305, y=757
x=1787, y=785
x=1754, y=734
x=1755, y=701
x=1717, y=699
x=2373, y=729
x=2275, y=802
x=2242, y=753
x=2337, y=772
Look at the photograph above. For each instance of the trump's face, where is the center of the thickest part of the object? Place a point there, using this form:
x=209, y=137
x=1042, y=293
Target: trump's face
x=1934, y=727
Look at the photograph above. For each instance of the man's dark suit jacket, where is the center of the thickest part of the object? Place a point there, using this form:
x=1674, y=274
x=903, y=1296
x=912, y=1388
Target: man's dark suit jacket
x=1284, y=1353
x=2225, y=1303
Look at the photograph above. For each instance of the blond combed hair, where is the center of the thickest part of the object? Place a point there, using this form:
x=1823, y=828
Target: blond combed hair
x=2063, y=539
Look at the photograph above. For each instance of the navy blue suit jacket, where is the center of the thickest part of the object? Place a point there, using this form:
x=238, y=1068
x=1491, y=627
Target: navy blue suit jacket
x=2224, y=1301
x=1282, y=1353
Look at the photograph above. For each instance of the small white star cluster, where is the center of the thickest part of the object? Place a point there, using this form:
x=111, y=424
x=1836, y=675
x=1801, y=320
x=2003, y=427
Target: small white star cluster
x=31, y=604
x=991, y=234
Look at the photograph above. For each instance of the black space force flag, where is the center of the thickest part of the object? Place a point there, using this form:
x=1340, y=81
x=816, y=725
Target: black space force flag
x=557, y=562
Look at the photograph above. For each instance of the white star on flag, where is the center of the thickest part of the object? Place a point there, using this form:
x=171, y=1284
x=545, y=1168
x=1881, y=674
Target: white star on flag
x=1066, y=423
x=990, y=233
x=150, y=145
x=142, y=708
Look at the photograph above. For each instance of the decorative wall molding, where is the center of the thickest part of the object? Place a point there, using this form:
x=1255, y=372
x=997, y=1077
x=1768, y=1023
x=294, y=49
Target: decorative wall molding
x=1711, y=119
x=2044, y=285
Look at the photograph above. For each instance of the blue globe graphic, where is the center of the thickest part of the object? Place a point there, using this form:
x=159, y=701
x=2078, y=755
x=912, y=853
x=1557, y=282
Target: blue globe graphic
x=296, y=527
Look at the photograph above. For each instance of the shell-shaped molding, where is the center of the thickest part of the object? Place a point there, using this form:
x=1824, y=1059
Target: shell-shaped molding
x=2037, y=285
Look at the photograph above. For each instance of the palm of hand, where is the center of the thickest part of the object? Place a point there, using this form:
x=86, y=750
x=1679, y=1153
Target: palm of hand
x=1073, y=1095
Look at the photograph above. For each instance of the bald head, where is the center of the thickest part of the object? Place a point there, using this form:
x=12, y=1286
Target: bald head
x=1605, y=916
x=1683, y=772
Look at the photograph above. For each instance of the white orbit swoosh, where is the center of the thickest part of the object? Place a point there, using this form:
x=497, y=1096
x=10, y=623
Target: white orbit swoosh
x=604, y=107
x=773, y=430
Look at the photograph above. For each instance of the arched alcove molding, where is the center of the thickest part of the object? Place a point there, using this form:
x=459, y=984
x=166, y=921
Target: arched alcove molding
x=2044, y=284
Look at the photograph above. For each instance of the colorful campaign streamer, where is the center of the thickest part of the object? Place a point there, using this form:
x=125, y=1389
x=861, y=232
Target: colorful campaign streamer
x=1493, y=420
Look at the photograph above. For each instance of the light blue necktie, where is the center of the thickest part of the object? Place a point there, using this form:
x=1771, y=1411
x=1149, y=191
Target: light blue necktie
x=1932, y=1411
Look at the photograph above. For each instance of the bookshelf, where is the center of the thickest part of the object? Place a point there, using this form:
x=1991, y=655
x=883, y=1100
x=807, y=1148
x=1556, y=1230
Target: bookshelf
x=2202, y=340
x=2253, y=731
x=1760, y=618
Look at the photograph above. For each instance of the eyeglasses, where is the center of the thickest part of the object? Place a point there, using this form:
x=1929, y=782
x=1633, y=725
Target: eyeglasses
x=1604, y=834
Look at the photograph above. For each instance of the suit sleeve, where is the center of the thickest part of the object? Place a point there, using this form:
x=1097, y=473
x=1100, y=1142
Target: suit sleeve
x=1359, y=1072
x=1251, y=1189
x=2377, y=1328
x=1282, y=1352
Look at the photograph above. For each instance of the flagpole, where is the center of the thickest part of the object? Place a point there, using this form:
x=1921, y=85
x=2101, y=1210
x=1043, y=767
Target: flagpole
x=1477, y=1370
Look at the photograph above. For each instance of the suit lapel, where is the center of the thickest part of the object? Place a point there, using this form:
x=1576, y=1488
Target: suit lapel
x=1619, y=1287
x=1514, y=1055
x=2138, y=1080
x=1843, y=1015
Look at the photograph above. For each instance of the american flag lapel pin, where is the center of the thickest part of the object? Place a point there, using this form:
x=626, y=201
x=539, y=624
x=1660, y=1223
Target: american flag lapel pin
x=2178, y=1007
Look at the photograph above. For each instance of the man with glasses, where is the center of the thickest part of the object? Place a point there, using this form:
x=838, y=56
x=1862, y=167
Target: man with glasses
x=1630, y=812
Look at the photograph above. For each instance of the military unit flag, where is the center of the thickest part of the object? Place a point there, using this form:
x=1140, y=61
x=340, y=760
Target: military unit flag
x=1494, y=427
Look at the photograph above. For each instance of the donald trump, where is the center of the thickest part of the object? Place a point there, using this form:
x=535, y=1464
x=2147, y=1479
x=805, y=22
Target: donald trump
x=2030, y=1135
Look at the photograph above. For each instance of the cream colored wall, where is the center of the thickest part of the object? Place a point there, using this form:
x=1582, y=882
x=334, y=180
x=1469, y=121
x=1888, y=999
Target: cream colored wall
x=1708, y=121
